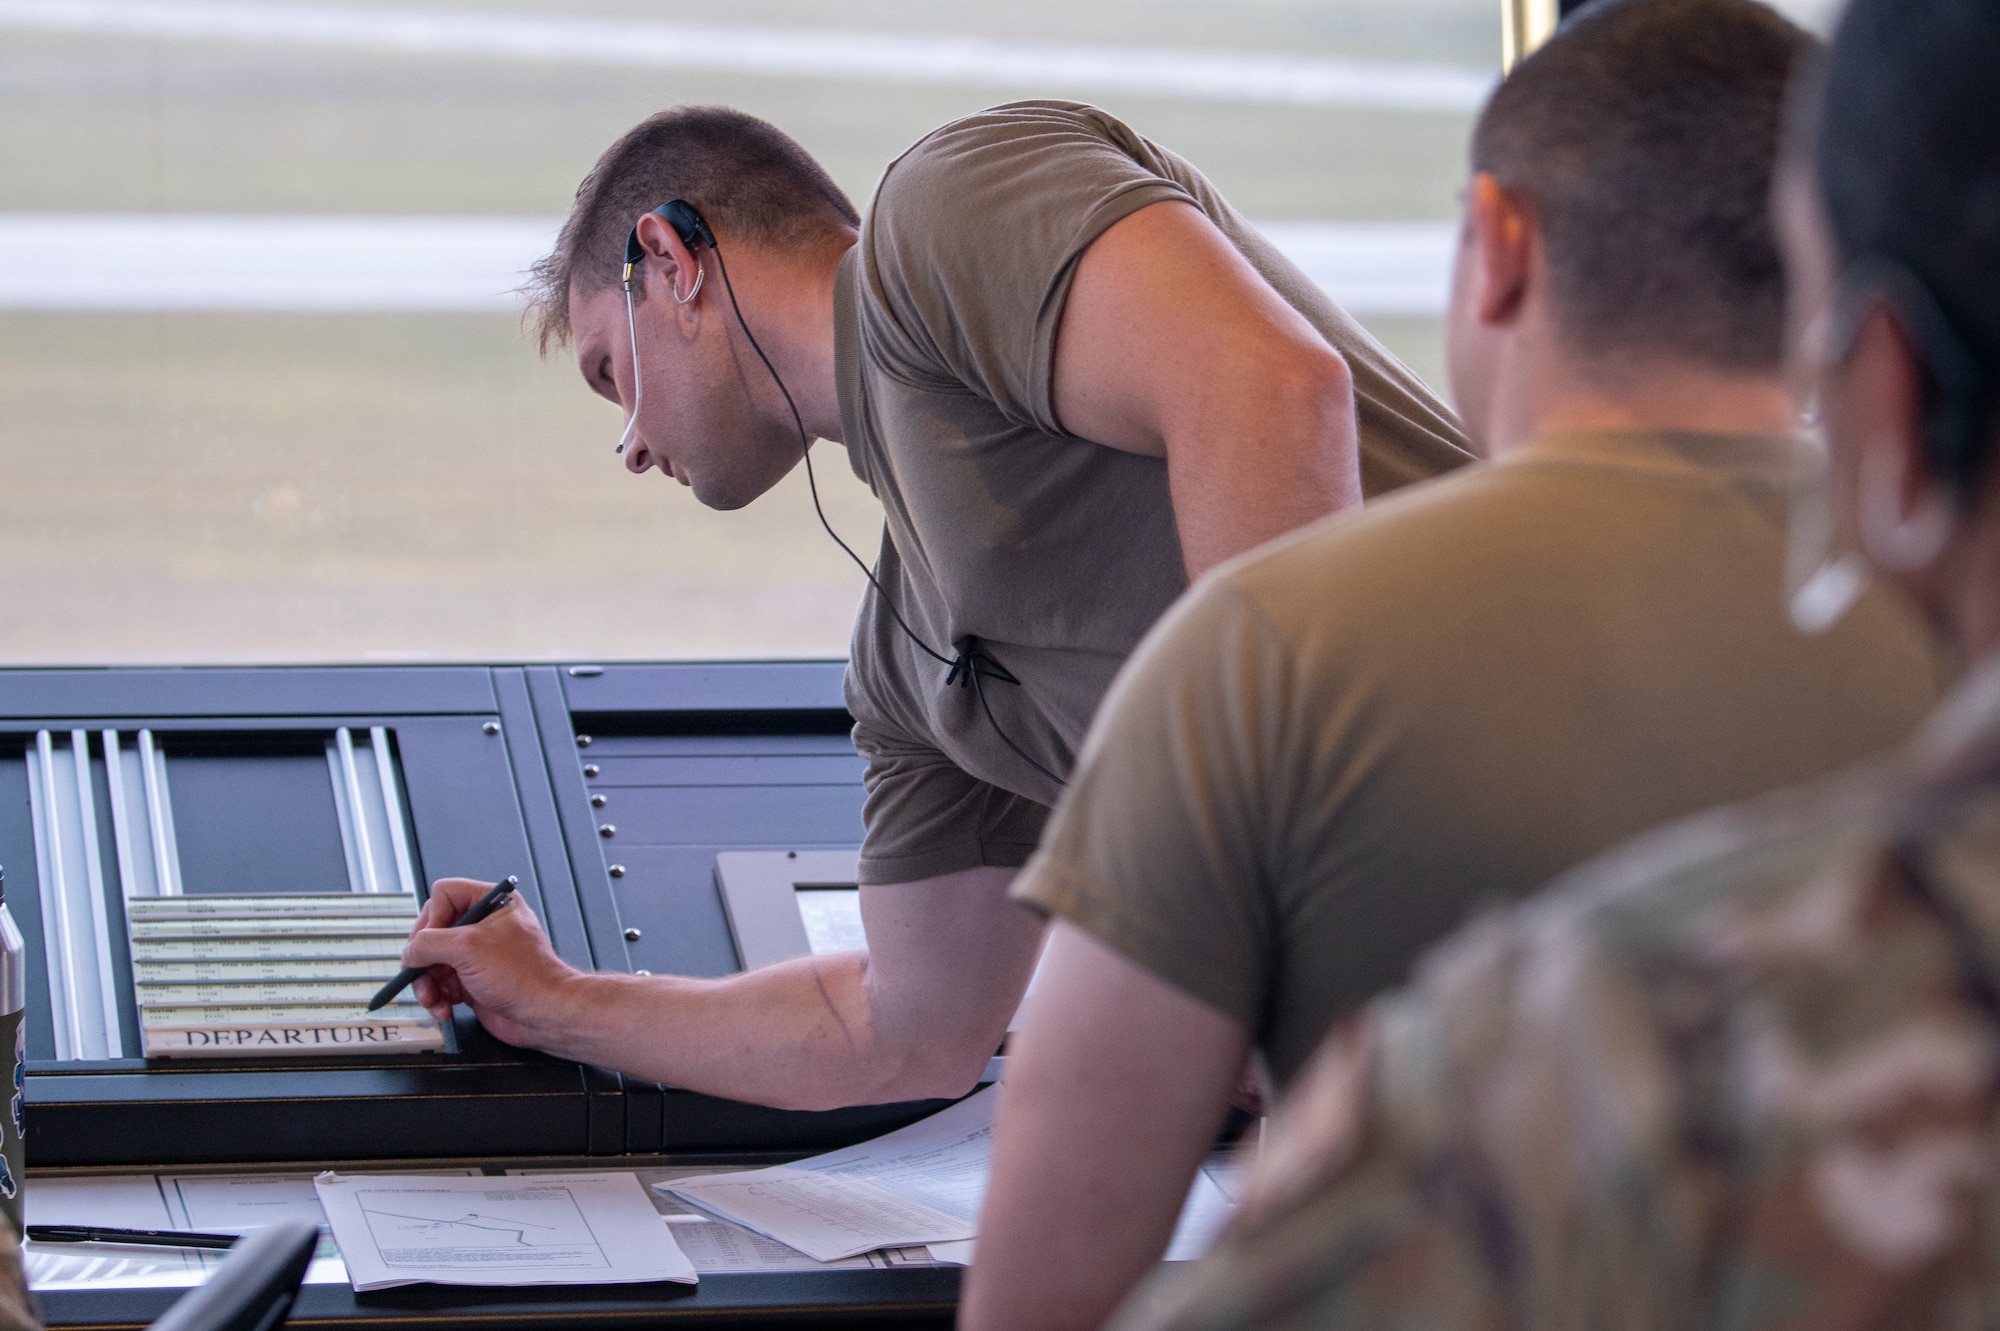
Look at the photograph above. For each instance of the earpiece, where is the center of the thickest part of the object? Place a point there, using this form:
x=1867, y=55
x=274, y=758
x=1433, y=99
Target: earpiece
x=687, y=223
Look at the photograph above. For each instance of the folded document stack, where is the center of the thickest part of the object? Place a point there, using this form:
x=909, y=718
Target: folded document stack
x=273, y=975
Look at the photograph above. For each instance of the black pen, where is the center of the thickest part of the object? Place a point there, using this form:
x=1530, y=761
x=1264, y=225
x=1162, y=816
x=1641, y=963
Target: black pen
x=502, y=893
x=157, y=1238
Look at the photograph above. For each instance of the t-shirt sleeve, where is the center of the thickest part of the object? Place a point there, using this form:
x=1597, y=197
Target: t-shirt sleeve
x=971, y=242
x=926, y=816
x=1164, y=845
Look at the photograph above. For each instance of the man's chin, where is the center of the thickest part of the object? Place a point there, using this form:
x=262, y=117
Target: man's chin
x=724, y=497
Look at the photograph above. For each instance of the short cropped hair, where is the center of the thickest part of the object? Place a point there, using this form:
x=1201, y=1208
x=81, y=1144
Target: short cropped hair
x=748, y=178
x=1907, y=154
x=1645, y=133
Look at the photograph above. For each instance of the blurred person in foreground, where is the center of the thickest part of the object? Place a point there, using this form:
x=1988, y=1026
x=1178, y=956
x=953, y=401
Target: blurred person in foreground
x=1337, y=747
x=1743, y=1072
x=1074, y=376
x=18, y=1309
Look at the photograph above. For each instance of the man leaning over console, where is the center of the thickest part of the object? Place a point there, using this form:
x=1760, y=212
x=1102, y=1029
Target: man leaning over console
x=1332, y=748
x=1074, y=377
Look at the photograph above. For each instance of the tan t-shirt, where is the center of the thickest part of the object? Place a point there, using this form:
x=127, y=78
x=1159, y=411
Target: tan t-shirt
x=1339, y=744
x=1057, y=553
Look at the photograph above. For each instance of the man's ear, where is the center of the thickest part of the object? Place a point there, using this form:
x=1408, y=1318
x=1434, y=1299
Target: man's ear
x=669, y=260
x=1504, y=235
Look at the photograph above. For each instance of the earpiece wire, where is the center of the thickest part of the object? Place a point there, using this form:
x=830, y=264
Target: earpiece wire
x=971, y=658
x=638, y=384
x=805, y=451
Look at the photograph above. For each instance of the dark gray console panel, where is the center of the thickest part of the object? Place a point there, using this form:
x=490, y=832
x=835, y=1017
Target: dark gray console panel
x=607, y=791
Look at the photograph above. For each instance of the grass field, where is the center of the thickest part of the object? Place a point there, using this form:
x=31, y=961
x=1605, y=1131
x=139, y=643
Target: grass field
x=239, y=487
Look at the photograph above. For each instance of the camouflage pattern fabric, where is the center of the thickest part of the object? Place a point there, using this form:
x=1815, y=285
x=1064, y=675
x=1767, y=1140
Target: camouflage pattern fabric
x=1740, y=1074
x=17, y=1306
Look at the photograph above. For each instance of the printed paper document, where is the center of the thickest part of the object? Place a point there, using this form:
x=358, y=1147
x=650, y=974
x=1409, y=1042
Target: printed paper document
x=918, y=1185
x=215, y=1203
x=1206, y=1211
x=551, y=1229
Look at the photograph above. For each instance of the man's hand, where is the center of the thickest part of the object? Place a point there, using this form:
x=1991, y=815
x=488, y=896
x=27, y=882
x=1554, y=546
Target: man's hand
x=503, y=967
x=914, y=1017
x=1173, y=346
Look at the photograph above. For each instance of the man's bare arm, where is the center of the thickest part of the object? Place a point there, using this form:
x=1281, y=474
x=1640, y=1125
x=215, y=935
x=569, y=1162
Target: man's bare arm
x=1172, y=345
x=1114, y=1092
x=915, y=1016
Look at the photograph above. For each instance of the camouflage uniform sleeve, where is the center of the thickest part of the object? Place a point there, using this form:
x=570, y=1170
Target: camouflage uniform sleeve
x=17, y=1305
x=1752, y=1090
x=1451, y=1175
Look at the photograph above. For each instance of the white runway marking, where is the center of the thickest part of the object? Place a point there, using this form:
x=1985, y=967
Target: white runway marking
x=864, y=57
x=1373, y=267
x=145, y=261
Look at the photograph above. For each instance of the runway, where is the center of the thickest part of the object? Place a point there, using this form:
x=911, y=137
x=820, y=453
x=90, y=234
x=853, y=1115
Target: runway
x=467, y=264
x=1037, y=68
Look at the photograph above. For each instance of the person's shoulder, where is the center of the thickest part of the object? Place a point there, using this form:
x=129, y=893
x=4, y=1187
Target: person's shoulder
x=1005, y=125
x=999, y=149
x=1360, y=552
x=1326, y=573
x=1668, y=897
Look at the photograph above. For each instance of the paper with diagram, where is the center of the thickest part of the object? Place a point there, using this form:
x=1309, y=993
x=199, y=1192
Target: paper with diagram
x=551, y=1229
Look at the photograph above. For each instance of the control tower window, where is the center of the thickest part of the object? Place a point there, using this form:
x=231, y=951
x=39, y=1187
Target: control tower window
x=267, y=395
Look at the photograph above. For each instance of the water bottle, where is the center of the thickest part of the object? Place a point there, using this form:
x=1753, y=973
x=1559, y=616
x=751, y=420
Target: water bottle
x=13, y=1035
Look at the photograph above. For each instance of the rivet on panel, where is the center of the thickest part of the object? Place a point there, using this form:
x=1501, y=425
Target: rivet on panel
x=608, y=830
x=590, y=769
x=616, y=871
x=631, y=935
x=491, y=727
x=583, y=741
x=597, y=801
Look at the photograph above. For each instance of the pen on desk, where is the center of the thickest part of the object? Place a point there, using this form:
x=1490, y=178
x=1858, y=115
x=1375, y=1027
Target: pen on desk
x=502, y=893
x=157, y=1238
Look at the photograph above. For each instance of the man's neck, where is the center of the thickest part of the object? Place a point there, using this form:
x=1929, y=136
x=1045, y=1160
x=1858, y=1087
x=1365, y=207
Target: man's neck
x=1561, y=396
x=788, y=300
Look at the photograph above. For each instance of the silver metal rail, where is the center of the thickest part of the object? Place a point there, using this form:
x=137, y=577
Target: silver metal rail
x=77, y=913
x=361, y=863
x=160, y=815
x=76, y=929
x=392, y=808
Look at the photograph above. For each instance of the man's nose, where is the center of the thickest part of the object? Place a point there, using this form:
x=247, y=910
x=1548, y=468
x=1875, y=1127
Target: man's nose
x=637, y=459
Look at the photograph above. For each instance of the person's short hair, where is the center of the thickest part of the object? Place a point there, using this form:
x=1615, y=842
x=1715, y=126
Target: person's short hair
x=1645, y=134
x=1907, y=153
x=747, y=177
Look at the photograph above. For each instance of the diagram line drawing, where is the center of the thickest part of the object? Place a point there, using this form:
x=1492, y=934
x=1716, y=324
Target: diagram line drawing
x=470, y=1220
x=540, y=1226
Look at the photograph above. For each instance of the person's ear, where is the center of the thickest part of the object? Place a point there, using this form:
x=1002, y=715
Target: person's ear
x=1902, y=511
x=1503, y=237
x=672, y=265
